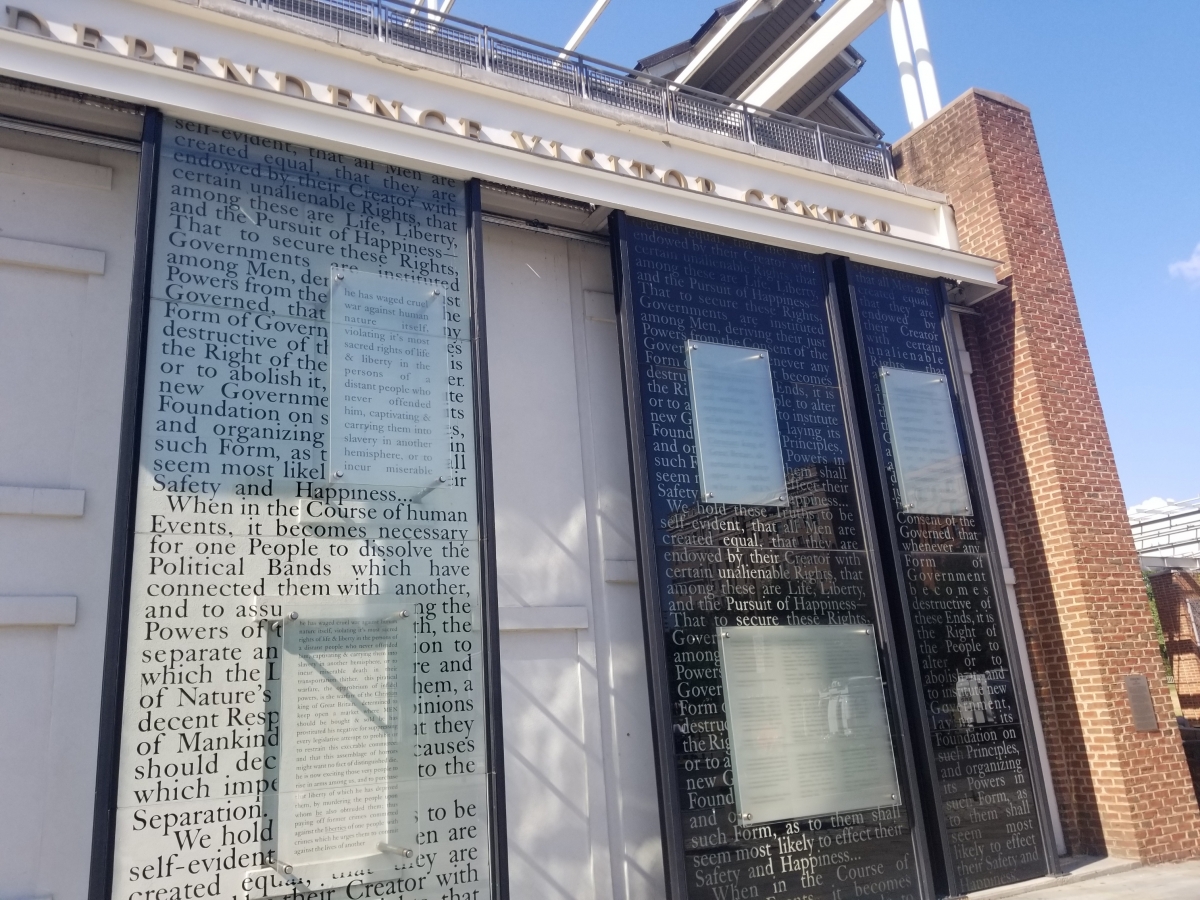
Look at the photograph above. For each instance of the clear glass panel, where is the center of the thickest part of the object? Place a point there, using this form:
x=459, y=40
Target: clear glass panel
x=925, y=447
x=808, y=722
x=347, y=769
x=736, y=428
x=389, y=360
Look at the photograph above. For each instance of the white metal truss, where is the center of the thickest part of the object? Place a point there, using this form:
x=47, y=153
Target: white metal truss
x=586, y=25
x=708, y=48
x=812, y=52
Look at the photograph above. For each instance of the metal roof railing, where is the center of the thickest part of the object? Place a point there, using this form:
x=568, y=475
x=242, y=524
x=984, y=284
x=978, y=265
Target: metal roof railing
x=469, y=44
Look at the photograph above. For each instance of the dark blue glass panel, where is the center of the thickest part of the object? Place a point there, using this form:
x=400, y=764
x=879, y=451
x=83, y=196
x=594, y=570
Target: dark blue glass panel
x=980, y=745
x=718, y=565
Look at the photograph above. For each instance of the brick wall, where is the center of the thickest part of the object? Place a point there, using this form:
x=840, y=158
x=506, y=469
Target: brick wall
x=1079, y=588
x=1172, y=590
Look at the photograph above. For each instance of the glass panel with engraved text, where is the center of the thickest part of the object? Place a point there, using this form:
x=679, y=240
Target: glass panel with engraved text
x=342, y=751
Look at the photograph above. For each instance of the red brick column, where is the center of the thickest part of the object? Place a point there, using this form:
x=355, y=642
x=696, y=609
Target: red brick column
x=1080, y=592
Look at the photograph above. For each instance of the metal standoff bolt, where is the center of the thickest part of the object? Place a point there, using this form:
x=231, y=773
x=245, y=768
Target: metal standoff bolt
x=724, y=634
x=393, y=850
x=442, y=479
x=746, y=817
x=437, y=292
x=338, y=277
x=337, y=474
x=294, y=615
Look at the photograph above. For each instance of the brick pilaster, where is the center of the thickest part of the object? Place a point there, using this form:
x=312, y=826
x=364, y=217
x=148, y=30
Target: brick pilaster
x=1080, y=593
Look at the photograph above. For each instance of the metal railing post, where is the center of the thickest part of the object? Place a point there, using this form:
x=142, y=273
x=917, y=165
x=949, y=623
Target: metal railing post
x=619, y=86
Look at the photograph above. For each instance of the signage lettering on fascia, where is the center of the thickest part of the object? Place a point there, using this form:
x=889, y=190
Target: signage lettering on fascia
x=251, y=76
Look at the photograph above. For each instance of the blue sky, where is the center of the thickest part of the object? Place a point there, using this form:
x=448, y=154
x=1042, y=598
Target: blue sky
x=1115, y=94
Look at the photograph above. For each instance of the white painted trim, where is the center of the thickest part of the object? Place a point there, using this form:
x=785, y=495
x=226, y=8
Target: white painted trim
x=57, y=258
x=60, y=171
x=18, y=610
x=543, y=618
x=621, y=571
x=226, y=104
x=28, y=501
x=601, y=306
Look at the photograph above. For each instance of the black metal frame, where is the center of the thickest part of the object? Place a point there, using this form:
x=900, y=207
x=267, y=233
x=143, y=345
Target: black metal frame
x=975, y=468
x=498, y=833
x=121, y=569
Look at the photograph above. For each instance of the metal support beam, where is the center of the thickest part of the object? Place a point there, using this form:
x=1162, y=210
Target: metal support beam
x=920, y=44
x=586, y=25
x=815, y=49
x=709, y=47
x=904, y=62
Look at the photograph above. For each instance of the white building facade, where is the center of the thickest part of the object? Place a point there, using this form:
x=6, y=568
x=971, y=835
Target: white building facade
x=233, y=668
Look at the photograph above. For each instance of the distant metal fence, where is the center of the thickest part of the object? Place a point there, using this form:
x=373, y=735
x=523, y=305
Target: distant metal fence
x=470, y=44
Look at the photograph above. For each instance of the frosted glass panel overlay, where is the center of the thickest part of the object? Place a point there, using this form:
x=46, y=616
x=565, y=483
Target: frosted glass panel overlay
x=737, y=432
x=925, y=447
x=807, y=722
x=348, y=776
x=389, y=418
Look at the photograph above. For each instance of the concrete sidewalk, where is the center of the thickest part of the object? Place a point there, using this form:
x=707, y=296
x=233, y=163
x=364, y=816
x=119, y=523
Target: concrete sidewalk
x=1108, y=879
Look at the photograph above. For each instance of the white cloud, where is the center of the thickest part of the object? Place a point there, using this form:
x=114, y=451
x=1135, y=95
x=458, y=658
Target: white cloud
x=1187, y=269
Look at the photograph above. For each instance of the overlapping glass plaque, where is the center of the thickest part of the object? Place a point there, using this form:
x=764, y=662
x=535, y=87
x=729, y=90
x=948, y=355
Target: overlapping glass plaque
x=348, y=772
x=388, y=368
x=925, y=446
x=807, y=720
x=736, y=428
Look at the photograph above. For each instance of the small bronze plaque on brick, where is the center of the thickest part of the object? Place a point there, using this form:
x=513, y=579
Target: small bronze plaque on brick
x=1137, y=689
